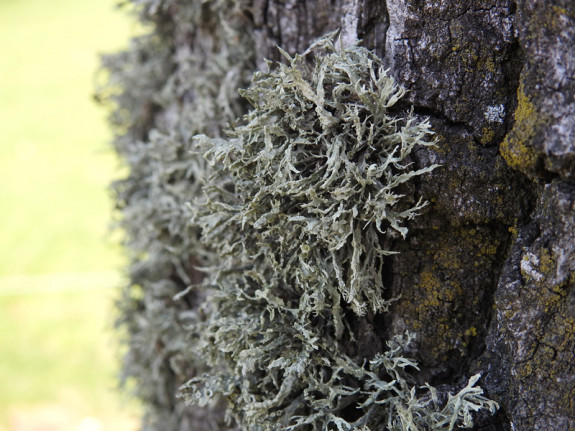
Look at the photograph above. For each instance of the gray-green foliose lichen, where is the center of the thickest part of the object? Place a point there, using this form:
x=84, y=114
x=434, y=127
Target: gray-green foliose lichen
x=173, y=82
x=300, y=196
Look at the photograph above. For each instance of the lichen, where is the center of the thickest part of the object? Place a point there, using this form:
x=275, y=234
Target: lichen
x=304, y=192
x=495, y=114
x=517, y=148
x=323, y=160
x=161, y=92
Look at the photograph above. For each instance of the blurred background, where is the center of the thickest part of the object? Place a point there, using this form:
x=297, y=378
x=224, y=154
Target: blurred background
x=59, y=267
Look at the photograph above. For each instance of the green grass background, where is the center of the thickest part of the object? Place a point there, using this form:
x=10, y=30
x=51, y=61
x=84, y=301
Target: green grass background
x=58, y=270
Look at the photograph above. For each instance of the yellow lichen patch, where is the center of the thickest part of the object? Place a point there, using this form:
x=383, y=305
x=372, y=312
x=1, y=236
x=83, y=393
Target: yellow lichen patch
x=558, y=11
x=471, y=332
x=546, y=263
x=436, y=292
x=431, y=286
x=447, y=259
x=447, y=304
x=487, y=135
x=489, y=249
x=442, y=145
x=513, y=230
x=517, y=148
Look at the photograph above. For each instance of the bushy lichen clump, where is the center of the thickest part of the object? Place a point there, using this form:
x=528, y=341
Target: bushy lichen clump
x=179, y=79
x=295, y=211
x=317, y=167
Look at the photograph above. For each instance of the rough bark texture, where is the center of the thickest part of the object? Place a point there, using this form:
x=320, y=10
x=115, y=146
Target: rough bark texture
x=485, y=278
x=493, y=286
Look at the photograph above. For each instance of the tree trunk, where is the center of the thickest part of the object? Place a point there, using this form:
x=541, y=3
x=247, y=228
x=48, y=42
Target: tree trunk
x=485, y=276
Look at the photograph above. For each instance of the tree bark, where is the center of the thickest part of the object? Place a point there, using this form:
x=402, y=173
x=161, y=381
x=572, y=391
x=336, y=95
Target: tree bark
x=486, y=276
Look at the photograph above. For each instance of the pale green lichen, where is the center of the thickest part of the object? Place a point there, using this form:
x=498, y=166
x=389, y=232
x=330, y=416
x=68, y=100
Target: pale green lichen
x=161, y=92
x=302, y=197
x=299, y=205
x=316, y=172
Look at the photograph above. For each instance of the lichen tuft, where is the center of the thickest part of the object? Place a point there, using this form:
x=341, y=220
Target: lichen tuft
x=316, y=172
x=303, y=194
